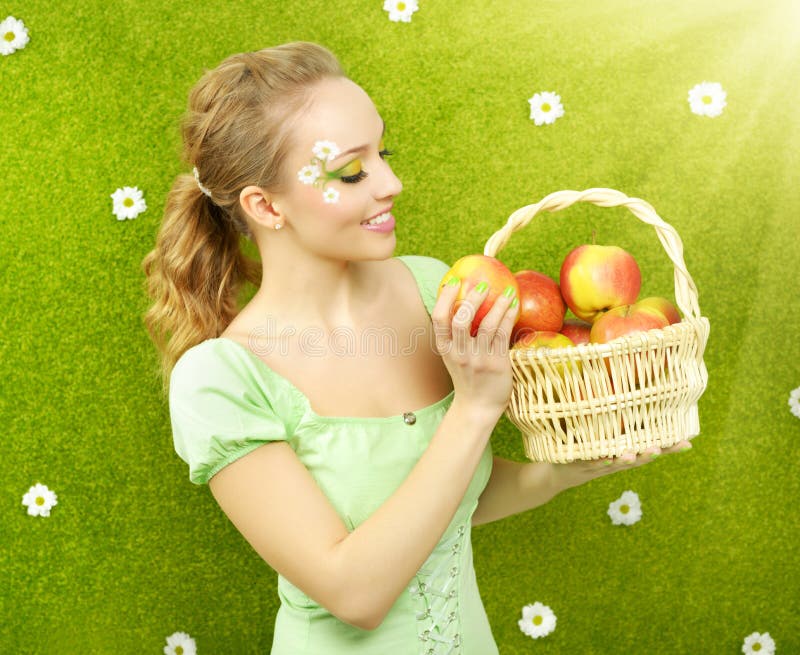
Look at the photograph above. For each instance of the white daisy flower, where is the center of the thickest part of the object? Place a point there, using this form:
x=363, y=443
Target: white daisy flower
x=13, y=35
x=179, y=643
x=400, y=10
x=707, y=99
x=309, y=174
x=545, y=107
x=330, y=195
x=128, y=202
x=794, y=402
x=326, y=150
x=537, y=620
x=39, y=500
x=757, y=644
x=626, y=510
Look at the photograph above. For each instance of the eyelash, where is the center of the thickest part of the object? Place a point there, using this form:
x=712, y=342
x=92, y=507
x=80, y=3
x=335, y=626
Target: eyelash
x=352, y=179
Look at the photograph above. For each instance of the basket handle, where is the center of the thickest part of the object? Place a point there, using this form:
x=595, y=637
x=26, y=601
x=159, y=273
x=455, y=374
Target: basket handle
x=685, y=289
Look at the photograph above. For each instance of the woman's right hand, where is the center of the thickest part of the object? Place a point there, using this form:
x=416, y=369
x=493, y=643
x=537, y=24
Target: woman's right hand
x=479, y=366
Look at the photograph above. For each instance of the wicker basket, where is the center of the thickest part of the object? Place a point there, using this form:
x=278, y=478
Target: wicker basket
x=601, y=399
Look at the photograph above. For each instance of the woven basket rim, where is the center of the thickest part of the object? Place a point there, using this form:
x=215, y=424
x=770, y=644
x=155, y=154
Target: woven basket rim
x=627, y=342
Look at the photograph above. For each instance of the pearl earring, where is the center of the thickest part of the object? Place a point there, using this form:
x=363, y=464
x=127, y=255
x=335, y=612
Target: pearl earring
x=278, y=226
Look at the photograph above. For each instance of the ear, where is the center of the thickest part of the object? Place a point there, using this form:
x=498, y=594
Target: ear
x=260, y=206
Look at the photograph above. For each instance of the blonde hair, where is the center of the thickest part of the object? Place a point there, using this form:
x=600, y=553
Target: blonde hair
x=237, y=132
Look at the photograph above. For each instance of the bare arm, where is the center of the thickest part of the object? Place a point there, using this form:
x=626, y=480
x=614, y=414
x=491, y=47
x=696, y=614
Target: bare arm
x=381, y=556
x=513, y=488
x=273, y=500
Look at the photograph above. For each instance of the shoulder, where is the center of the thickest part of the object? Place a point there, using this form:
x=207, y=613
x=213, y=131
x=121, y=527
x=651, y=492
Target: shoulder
x=429, y=273
x=222, y=406
x=430, y=266
x=222, y=369
x=202, y=365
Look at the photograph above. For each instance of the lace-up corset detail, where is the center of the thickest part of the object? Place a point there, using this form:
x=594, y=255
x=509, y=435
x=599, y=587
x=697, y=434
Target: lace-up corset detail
x=436, y=593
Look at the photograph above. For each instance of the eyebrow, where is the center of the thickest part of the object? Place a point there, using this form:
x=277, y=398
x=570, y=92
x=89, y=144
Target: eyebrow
x=360, y=148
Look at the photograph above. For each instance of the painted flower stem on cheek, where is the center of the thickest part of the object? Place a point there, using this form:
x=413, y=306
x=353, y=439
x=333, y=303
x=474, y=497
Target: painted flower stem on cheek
x=317, y=174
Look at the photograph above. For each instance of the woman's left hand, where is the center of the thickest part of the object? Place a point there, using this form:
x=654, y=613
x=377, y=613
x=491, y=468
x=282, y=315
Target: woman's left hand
x=577, y=473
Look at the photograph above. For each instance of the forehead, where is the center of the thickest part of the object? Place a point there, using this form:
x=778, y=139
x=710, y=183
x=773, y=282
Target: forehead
x=339, y=111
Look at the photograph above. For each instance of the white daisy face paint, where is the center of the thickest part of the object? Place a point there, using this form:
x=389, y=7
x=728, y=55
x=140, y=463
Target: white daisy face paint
x=317, y=174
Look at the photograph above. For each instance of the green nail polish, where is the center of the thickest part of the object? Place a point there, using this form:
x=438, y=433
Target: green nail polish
x=514, y=302
x=453, y=281
x=509, y=291
x=481, y=287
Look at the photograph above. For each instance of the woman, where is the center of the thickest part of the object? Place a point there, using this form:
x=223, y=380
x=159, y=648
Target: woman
x=354, y=472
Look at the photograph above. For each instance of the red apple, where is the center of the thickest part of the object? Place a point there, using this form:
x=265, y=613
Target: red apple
x=577, y=330
x=596, y=278
x=545, y=339
x=541, y=306
x=623, y=320
x=626, y=319
x=664, y=306
x=473, y=269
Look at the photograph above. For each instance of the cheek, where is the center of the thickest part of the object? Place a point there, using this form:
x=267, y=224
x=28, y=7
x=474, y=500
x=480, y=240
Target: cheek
x=343, y=201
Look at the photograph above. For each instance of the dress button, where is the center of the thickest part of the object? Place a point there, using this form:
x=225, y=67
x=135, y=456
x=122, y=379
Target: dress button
x=409, y=418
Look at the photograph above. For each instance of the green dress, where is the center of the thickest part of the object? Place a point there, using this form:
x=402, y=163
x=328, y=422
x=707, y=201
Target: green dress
x=225, y=402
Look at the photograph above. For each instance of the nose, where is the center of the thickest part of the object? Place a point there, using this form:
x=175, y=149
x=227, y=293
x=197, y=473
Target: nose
x=388, y=184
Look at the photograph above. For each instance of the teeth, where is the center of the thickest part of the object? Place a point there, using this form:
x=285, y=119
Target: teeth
x=379, y=219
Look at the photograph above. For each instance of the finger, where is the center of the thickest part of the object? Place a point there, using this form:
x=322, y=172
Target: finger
x=502, y=337
x=487, y=330
x=679, y=447
x=464, y=315
x=442, y=313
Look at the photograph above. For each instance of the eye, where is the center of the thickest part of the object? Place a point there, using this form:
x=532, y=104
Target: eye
x=383, y=151
x=351, y=179
x=352, y=172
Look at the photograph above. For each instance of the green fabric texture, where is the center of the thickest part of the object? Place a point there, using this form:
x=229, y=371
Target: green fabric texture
x=135, y=551
x=226, y=401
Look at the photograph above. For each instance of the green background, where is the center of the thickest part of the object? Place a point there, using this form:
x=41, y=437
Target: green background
x=133, y=551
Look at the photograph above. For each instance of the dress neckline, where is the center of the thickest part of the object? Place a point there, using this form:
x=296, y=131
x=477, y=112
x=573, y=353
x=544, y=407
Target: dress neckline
x=334, y=419
x=422, y=411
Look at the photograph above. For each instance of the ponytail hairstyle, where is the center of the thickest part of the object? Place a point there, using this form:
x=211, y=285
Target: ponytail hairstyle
x=236, y=132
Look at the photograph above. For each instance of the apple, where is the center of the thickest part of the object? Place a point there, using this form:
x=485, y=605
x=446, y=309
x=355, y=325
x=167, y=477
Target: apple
x=541, y=306
x=595, y=278
x=626, y=319
x=576, y=329
x=542, y=339
x=664, y=306
x=545, y=339
x=623, y=320
x=473, y=269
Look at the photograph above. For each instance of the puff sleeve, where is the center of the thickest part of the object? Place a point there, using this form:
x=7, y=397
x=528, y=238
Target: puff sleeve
x=218, y=411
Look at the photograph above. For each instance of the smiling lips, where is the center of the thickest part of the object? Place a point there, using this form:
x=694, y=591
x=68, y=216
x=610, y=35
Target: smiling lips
x=383, y=216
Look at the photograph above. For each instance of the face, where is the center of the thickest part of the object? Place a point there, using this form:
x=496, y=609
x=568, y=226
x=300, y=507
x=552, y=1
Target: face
x=339, y=176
